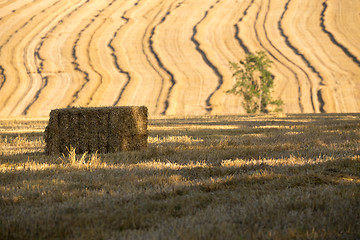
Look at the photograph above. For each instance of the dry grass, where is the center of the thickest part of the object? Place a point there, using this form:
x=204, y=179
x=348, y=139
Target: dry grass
x=239, y=177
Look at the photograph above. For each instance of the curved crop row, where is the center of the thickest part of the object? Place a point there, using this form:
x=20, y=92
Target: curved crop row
x=173, y=56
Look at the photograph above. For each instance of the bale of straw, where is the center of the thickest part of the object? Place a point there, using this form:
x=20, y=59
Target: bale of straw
x=107, y=129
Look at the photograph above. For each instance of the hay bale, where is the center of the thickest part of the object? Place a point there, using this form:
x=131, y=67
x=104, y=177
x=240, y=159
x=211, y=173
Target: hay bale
x=107, y=129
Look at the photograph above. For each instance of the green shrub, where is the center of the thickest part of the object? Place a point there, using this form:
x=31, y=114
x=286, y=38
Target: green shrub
x=254, y=82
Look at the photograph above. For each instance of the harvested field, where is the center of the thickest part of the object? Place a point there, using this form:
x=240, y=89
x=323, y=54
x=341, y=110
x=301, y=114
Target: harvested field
x=172, y=56
x=293, y=176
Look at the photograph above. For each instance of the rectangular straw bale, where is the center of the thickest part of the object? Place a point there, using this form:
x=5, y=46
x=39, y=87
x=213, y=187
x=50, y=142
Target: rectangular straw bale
x=104, y=130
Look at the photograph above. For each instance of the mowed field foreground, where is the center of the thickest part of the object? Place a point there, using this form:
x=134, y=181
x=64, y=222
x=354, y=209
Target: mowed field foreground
x=173, y=56
x=230, y=177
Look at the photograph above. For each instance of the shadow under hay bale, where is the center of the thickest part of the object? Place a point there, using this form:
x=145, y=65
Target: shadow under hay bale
x=105, y=129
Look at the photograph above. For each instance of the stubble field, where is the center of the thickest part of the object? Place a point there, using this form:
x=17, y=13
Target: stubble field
x=230, y=177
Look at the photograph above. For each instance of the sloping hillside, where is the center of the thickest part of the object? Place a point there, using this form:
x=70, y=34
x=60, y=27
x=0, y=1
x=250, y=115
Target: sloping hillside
x=172, y=55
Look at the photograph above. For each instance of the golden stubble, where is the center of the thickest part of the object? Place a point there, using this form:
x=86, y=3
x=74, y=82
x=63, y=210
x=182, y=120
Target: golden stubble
x=262, y=176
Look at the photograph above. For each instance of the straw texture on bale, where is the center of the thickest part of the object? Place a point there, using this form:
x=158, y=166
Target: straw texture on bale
x=106, y=129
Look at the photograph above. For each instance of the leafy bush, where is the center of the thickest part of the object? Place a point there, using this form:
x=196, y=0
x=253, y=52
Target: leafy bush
x=254, y=82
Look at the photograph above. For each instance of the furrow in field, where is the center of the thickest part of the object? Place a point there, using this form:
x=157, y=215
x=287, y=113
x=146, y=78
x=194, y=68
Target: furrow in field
x=199, y=48
x=162, y=101
x=100, y=80
x=165, y=82
x=99, y=77
x=246, y=27
x=14, y=57
x=289, y=39
x=69, y=56
x=3, y=77
x=50, y=61
x=239, y=37
x=287, y=73
x=344, y=24
x=215, y=34
x=10, y=22
x=30, y=55
x=131, y=57
x=39, y=61
x=13, y=19
x=81, y=100
x=10, y=25
x=34, y=61
x=335, y=87
x=332, y=37
x=81, y=57
x=342, y=20
x=113, y=45
x=103, y=54
x=195, y=79
x=236, y=26
x=139, y=55
x=173, y=56
x=253, y=30
x=116, y=63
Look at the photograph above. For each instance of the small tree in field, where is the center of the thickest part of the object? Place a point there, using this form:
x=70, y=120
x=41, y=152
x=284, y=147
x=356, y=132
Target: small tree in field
x=254, y=83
